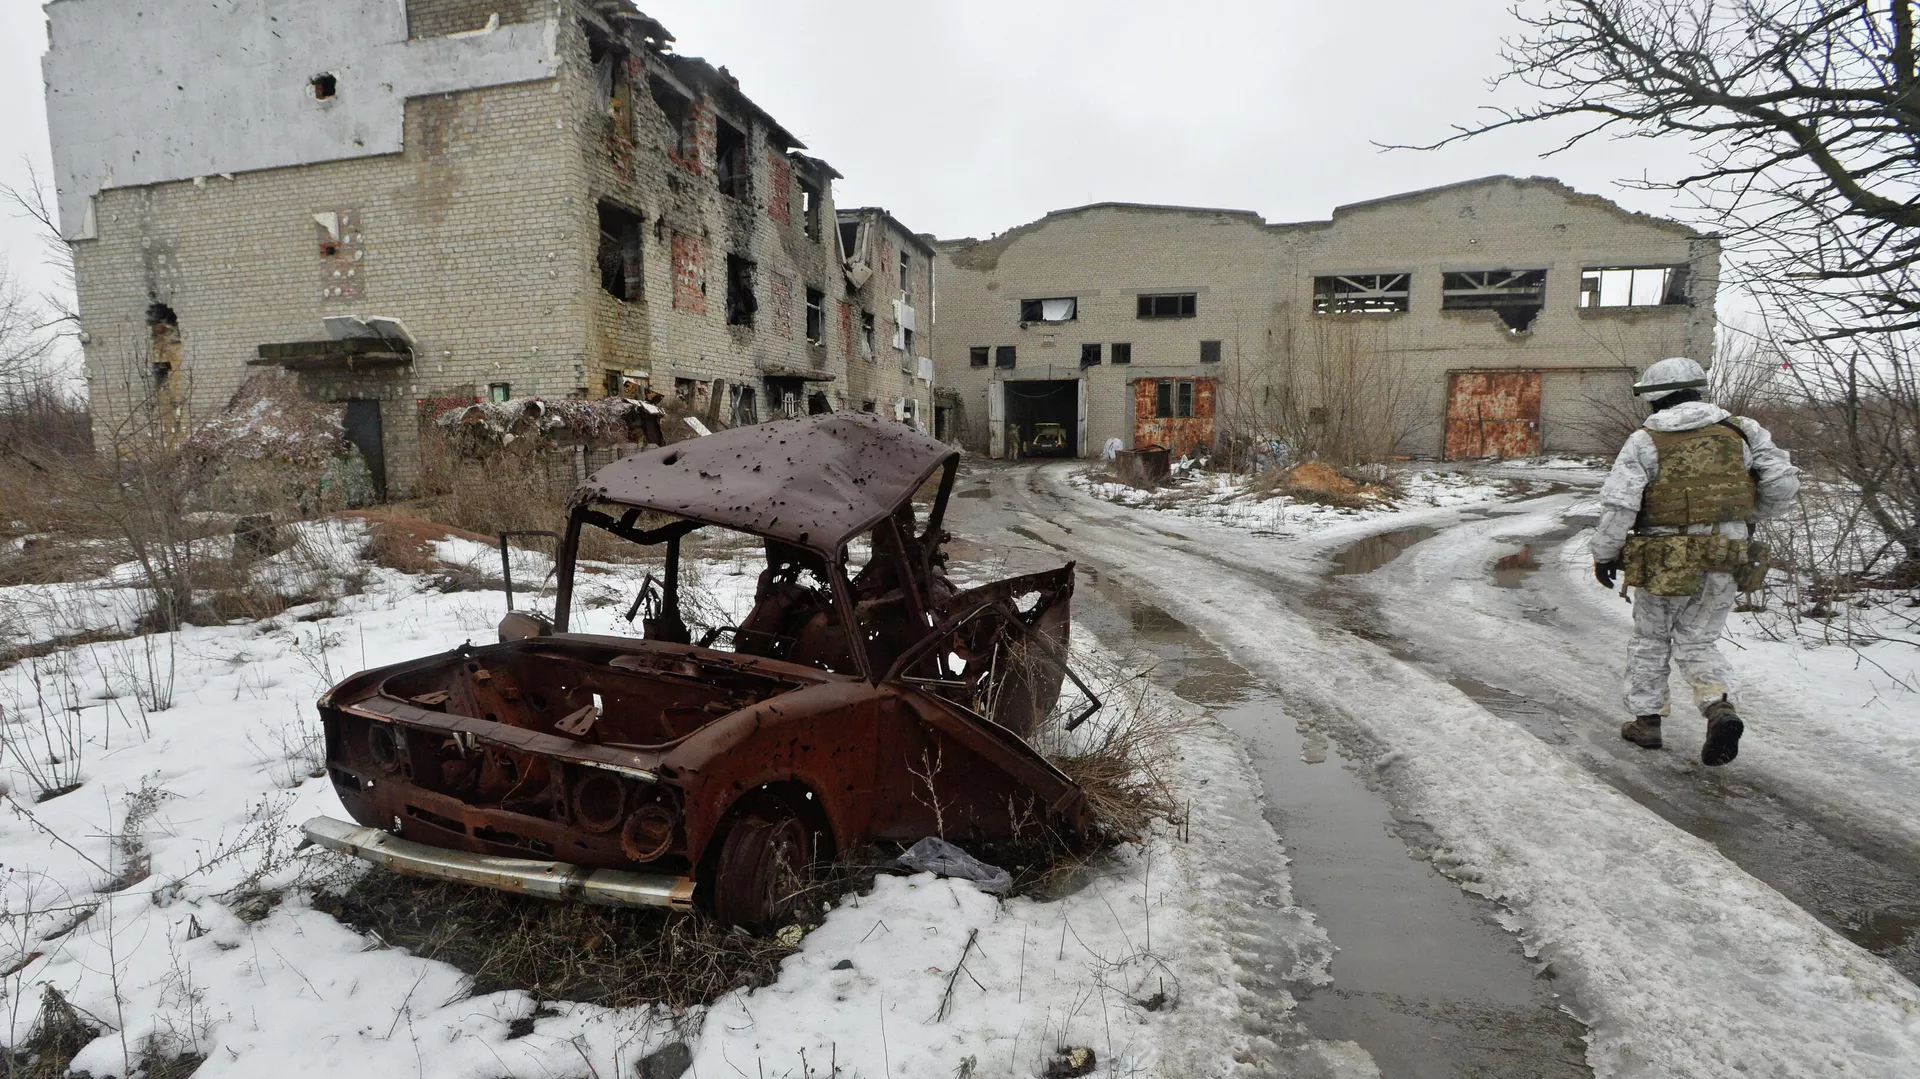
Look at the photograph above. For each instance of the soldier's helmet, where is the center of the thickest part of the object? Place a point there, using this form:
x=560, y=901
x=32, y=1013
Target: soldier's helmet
x=1670, y=375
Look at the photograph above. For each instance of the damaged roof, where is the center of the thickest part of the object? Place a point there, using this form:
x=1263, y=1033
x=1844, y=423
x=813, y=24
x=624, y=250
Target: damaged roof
x=815, y=481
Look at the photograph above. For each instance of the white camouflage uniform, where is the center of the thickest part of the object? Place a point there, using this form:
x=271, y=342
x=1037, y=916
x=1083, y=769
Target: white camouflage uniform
x=1684, y=629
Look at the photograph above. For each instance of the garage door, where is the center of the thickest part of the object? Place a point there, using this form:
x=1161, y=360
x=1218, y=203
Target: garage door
x=1493, y=414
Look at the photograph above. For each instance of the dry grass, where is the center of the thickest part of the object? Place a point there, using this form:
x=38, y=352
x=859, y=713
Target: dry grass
x=58, y=1036
x=559, y=951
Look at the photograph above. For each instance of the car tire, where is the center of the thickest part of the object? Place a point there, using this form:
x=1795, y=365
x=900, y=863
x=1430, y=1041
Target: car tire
x=764, y=867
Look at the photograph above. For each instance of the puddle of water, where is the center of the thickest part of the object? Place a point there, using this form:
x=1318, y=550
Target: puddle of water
x=1423, y=980
x=1369, y=554
x=976, y=492
x=1511, y=571
x=1029, y=533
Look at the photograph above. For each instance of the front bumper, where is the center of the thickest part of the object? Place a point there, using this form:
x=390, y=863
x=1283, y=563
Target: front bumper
x=527, y=876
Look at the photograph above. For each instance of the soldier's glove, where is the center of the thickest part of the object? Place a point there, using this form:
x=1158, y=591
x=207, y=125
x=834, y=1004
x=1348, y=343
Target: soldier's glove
x=1604, y=572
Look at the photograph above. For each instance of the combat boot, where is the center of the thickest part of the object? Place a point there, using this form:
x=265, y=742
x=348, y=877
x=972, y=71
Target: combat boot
x=1723, y=733
x=1642, y=731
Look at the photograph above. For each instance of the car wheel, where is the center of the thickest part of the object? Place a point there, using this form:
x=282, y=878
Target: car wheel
x=764, y=868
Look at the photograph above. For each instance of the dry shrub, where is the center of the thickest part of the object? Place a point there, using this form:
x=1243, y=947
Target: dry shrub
x=1324, y=485
x=58, y=1036
x=555, y=950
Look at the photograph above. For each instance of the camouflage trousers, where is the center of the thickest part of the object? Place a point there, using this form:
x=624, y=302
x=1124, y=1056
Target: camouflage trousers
x=1682, y=630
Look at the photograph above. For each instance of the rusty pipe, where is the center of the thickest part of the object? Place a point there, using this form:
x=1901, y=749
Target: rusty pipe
x=525, y=876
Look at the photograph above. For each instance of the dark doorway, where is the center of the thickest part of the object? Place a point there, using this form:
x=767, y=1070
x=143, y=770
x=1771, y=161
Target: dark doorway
x=1045, y=416
x=362, y=429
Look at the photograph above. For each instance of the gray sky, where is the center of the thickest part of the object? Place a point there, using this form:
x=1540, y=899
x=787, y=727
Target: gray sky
x=968, y=119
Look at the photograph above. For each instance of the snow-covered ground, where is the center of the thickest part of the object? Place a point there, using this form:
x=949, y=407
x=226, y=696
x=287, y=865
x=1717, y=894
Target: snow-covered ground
x=1227, y=499
x=197, y=756
x=1684, y=963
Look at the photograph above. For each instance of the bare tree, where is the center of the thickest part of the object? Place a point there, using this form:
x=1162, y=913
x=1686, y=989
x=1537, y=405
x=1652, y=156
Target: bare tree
x=1804, y=115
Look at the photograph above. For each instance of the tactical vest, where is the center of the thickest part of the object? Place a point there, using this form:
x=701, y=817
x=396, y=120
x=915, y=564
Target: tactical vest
x=1703, y=479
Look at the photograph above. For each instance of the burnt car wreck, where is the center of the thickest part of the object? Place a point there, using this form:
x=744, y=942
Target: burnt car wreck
x=863, y=699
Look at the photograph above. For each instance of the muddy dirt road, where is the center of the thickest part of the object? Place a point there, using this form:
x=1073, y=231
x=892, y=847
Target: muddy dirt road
x=1304, y=647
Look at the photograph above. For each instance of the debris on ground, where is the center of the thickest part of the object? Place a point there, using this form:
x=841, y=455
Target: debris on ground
x=935, y=855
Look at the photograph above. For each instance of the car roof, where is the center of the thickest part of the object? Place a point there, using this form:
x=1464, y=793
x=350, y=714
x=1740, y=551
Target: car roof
x=813, y=481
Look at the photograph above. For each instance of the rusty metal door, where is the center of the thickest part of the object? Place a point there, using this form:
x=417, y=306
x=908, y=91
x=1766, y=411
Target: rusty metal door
x=1493, y=414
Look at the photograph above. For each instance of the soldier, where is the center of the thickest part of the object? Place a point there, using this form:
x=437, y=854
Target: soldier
x=1675, y=516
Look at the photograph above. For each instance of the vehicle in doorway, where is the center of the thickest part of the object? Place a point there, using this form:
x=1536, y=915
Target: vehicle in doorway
x=864, y=698
x=1048, y=440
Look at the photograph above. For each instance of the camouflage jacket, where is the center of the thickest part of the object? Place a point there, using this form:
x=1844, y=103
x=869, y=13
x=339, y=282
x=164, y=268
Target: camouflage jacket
x=1638, y=463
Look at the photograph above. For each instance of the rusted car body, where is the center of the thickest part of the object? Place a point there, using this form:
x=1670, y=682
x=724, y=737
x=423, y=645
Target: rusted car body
x=855, y=703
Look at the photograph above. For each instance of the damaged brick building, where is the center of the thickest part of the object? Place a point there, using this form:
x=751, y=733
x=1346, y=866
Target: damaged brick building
x=416, y=203
x=1496, y=317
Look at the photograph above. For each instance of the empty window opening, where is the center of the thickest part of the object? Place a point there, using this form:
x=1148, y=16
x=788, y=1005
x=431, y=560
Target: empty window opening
x=732, y=170
x=1003, y=356
x=866, y=334
x=1056, y=309
x=978, y=355
x=1515, y=295
x=741, y=410
x=677, y=108
x=1633, y=286
x=1167, y=305
x=740, y=302
x=1209, y=352
x=1362, y=294
x=866, y=406
x=906, y=340
x=619, y=255
x=1173, y=399
x=163, y=328
x=816, y=316
x=1120, y=352
x=810, y=199
x=818, y=404
x=906, y=272
x=1090, y=355
x=850, y=241
x=323, y=86
x=610, y=77
x=499, y=391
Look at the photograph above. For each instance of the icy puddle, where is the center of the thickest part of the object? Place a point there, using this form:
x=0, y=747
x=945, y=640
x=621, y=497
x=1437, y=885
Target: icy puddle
x=1424, y=980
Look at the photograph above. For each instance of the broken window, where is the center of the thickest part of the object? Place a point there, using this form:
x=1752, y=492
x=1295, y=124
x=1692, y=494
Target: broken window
x=610, y=77
x=499, y=391
x=978, y=355
x=740, y=302
x=324, y=85
x=1090, y=355
x=1515, y=295
x=810, y=209
x=906, y=341
x=1120, y=352
x=906, y=272
x=741, y=411
x=619, y=256
x=683, y=389
x=163, y=327
x=732, y=169
x=1057, y=309
x=1361, y=294
x=866, y=334
x=1003, y=356
x=1173, y=399
x=1209, y=352
x=1633, y=286
x=816, y=316
x=678, y=109
x=849, y=241
x=1167, y=305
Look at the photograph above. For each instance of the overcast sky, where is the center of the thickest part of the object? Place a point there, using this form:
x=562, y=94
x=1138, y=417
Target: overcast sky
x=968, y=119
